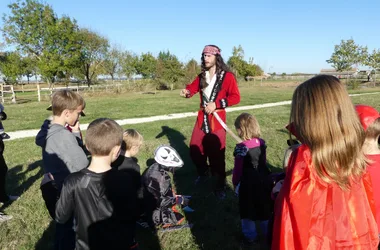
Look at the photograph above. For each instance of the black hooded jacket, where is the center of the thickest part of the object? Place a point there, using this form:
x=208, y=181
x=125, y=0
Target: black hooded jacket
x=159, y=197
x=104, y=207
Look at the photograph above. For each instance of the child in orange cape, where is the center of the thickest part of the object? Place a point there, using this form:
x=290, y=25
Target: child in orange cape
x=326, y=201
x=370, y=120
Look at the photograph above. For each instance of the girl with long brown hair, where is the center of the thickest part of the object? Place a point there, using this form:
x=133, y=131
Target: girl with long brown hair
x=326, y=200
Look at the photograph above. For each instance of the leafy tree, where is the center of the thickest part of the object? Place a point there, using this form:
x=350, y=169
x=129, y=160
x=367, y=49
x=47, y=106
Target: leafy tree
x=129, y=63
x=28, y=67
x=191, y=70
x=11, y=67
x=347, y=54
x=373, y=60
x=93, y=51
x=169, y=68
x=69, y=49
x=146, y=65
x=241, y=67
x=236, y=61
x=36, y=31
x=112, y=62
x=252, y=70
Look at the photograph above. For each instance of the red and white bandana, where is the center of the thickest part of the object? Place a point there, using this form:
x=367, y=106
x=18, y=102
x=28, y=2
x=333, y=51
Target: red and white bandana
x=211, y=50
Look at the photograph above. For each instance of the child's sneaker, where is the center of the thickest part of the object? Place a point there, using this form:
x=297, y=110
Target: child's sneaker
x=8, y=199
x=13, y=197
x=5, y=217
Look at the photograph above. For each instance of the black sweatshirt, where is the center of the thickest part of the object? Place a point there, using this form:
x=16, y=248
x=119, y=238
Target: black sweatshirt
x=104, y=207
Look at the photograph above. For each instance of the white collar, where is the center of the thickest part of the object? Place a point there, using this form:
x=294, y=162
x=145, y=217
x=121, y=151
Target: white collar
x=208, y=80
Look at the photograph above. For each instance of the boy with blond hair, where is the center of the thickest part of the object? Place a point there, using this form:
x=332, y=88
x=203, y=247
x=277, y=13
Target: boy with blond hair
x=61, y=155
x=128, y=163
x=102, y=199
x=130, y=147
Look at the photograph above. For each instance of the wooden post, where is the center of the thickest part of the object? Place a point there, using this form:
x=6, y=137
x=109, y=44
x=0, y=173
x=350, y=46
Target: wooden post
x=13, y=95
x=38, y=92
x=374, y=82
x=2, y=93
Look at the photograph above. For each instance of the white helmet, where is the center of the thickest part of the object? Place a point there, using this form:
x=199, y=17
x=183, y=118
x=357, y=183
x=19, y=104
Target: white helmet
x=168, y=157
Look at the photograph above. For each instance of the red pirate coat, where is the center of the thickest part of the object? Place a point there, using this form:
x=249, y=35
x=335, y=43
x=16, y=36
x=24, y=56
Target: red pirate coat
x=225, y=93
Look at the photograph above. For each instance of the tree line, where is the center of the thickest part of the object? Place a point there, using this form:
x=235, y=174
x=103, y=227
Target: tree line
x=348, y=54
x=57, y=48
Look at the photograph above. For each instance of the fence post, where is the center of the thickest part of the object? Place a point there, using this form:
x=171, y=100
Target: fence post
x=2, y=93
x=13, y=95
x=38, y=92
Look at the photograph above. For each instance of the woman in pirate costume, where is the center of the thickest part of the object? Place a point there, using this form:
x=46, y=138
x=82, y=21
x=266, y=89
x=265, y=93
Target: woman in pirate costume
x=218, y=89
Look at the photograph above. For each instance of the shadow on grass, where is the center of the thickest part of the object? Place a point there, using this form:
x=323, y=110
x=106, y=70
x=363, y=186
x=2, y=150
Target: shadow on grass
x=216, y=223
x=275, y=169
x=22, y=100
x=46, y=242
x=283, y=130
x=19, y=181
x=15, y=176
x=147, y=239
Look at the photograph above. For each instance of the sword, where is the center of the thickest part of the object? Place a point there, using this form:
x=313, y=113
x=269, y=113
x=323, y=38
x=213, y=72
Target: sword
x=223, y=124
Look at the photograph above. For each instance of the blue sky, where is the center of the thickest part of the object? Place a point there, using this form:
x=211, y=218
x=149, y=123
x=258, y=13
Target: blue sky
x=282, y=36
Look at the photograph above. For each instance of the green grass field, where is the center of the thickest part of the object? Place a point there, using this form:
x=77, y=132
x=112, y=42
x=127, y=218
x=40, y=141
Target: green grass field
x=216, y=223
x=129, y=105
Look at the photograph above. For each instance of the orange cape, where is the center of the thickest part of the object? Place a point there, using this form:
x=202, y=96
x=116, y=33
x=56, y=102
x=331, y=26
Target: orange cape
x=311, y=214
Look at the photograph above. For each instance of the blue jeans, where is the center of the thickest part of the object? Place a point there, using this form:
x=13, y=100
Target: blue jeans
x=249, y=228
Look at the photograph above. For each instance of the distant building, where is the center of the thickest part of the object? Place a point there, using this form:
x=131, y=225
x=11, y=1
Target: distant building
x=339, y=74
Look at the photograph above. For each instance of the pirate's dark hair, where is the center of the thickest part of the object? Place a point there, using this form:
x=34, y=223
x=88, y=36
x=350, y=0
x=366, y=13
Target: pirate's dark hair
x=220, y=66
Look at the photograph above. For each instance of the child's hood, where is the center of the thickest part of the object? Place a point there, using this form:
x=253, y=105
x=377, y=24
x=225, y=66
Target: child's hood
x=47, y=130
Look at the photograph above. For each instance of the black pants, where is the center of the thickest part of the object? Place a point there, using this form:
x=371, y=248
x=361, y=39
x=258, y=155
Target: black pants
x=3, y=174
x=208, y=151
x=64, y=233
x=50, y=195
